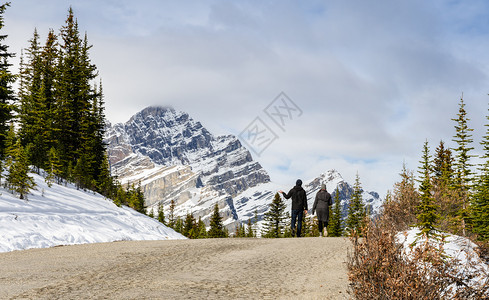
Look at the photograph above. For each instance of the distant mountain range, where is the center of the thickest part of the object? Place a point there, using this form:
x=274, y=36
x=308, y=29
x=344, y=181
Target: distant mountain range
x=175, y=158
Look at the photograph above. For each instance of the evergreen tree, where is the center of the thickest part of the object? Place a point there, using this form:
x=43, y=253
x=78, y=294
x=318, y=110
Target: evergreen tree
x=201, y=229
x=427, y=209
x=462, y=165
x=217, y=228
x=190, y=227
x=161, y=214
x=136, y=198
x=249, y=229
x=105, y=180
x=36, y=95
x=480, y=202
x=54, y=170
x=6, y=81
x=202, y=232
x=18, y=178
x=179, y=225
x=444, y=195
x=242, y=230
x=274, y=218
x=335, y=226
x=356, y=210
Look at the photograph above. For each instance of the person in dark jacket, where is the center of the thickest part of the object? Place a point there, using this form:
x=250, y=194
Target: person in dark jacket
x=321, y=206
x=299, y=206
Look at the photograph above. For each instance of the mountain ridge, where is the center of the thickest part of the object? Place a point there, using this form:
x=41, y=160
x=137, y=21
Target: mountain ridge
x=196, y=169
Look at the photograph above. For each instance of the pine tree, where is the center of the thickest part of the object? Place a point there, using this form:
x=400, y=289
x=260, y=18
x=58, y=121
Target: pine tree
x=242, y=230
x=274, y=218
x=54, y=170
x=442, y=189
x=202, y=232
x=190, y=227
x=480, y=201
x=18, y=178
x=335, y=226
x=356, y=210
x=179, y=225
x=217, y=228
x=249, y=229
x=427, y=209
x=462, y=166
x=161, y=214
x=6, y=81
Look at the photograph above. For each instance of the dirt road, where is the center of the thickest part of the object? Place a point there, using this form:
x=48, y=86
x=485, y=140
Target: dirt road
x=307, y=268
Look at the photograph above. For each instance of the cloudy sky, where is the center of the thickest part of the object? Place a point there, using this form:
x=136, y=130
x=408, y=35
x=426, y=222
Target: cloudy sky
x=366, y=82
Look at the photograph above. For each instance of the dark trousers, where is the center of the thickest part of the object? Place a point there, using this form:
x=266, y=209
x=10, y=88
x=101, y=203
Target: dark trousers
x=321, y=225
x=297, y=214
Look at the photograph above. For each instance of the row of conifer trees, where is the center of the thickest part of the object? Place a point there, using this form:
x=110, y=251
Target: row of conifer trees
x=189, y=226
x=55, y=121
x=450, y=193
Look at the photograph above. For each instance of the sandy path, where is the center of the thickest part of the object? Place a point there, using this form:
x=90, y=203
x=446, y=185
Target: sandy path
x=307, y=268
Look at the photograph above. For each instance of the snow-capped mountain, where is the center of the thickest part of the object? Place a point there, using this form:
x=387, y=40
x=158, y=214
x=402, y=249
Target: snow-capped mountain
x=175, y=158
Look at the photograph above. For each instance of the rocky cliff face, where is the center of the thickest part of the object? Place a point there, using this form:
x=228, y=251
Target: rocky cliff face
x=215, y=168
x=176, y=158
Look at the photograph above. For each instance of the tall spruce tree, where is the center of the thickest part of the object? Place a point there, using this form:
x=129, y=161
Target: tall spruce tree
x=335, y=227
x=355, y=220
x=427, y=209
x=6, y=81
x=217, y=228
x=249, y=229
x=480, y=200
x=161, y=214
x=201, y=230
x=462, y=166
x=190, y=227
x=18, y=178
x=274, y=218
x=75, y=98
x=442, y=189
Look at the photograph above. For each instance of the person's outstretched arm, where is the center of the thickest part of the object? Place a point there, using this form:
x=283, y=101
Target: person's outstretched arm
x=287, y=196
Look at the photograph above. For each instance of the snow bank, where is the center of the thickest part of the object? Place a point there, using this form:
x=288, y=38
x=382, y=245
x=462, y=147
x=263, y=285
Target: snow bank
x=63, y=215
x=462, y=251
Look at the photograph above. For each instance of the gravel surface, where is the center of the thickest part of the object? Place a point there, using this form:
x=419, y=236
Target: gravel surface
x=305, y=268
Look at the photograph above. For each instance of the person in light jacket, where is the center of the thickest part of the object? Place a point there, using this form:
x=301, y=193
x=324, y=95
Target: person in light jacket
x=321, y=206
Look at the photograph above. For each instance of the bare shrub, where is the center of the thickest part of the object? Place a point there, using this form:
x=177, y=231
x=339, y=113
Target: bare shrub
x=378, y=269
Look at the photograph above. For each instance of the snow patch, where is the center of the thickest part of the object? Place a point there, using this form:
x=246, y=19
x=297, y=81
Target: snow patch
x=63, y=215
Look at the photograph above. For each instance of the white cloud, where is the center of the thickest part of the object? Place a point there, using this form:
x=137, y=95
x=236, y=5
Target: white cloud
x=374, y=80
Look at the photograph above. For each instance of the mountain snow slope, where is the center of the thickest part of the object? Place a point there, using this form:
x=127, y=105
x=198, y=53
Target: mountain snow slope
x=63, y=215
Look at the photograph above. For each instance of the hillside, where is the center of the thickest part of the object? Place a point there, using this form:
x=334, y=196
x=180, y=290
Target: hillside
x=63, y=215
